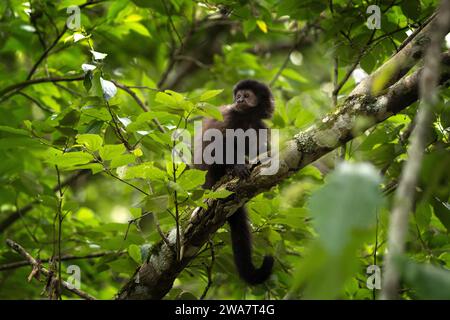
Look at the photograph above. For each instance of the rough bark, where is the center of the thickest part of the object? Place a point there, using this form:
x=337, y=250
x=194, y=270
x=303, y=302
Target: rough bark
x=154, y=278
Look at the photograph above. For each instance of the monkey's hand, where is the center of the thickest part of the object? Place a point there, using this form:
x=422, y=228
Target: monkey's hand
x=241, y=170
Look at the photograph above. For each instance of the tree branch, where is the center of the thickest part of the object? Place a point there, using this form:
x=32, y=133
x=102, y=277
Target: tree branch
x=14, y=216
x=405, y=193
x=395, y=68
x=68, y=257
x=20, y=250
x=156, y=276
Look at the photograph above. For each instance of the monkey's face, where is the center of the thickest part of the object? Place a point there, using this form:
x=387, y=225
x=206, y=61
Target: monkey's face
x=245, y=99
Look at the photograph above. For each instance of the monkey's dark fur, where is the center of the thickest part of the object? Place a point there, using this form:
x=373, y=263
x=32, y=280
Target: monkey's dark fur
x=237, y=117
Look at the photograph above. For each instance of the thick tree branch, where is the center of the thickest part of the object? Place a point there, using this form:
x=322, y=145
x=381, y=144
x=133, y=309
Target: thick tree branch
x=155, y=277
x=395, y=68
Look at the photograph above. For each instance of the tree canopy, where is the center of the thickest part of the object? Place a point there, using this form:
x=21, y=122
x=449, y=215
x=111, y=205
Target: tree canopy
x=93, y=94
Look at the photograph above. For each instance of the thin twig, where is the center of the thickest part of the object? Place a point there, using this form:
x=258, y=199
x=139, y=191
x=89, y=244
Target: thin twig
x=36, y=102
x=117, y=128
x=46, y=52
x=127, y=183
x=355, y=64
x=26, y=83
x=286, y=60
x=60, y=220
x=132, y=94
x=335, y=80
x=68, y=257
x=20, y=250
x=209, y=271
x=141, y=104
x=172, y=24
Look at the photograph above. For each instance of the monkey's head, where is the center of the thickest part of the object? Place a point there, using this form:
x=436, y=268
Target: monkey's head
x=254, y=97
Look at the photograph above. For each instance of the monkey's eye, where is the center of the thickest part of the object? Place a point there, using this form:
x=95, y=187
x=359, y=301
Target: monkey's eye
x=246, y=95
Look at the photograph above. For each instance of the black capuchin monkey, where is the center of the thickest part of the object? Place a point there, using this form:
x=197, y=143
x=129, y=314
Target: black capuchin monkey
x=253, y=101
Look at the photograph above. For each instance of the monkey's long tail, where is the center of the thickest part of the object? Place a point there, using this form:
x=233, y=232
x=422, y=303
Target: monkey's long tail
x=242, y=250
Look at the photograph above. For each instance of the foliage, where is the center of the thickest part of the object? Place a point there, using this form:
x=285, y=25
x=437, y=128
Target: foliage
x=110, y=96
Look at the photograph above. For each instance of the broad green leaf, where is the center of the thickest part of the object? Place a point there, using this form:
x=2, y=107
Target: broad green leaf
x=191, y=179
x=135, y=253
x=248, y=26
x=346, y=203
x=210, y=111
x=122, y=160
x=428, y=281
x=411, y=9
x=289, y=73
x=218, y=194
x=179, y=167
x=111, y=151
x=139, y=28
x=92, y=142
x=157, y=204
x=164, y=98
x=64, y=4
x=69, y=159
x=442, y=212
x=210, y=94
x=145, y=171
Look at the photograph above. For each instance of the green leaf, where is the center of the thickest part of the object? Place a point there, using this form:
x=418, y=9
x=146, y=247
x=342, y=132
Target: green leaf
x=289, y=73
x=139, y=28
x=145, y=170
x=69, y=159
x=14, y=130
x=346, y=203
x=218, y=194
x=110, y=151
x=210, y=111
x=179, y=167
x=442, y=212
x=191, y=179
x=96, y=113
x=430, y=282
x=185, y=295
x=248, y=26
x=92, y=142
x=411, y=9
x=64, y=4
x=87, y=82
x=210, y=94
x=122, y=160
x=145, y=4
x=135, y=253
x=157, y=204
x=423, y=215
x=164, y=98
x=69, y=118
